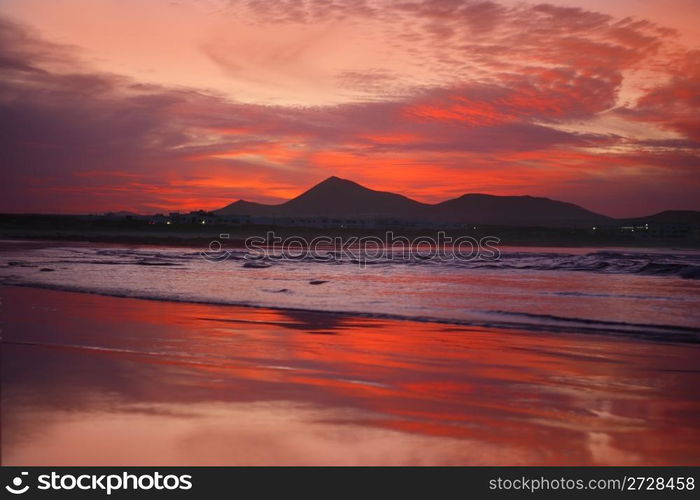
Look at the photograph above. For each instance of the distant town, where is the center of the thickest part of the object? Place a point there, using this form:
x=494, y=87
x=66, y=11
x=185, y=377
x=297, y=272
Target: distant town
x=650, y=228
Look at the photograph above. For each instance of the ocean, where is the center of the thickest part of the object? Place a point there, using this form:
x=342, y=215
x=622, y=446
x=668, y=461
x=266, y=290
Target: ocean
x=619, y=291
x=137, y=355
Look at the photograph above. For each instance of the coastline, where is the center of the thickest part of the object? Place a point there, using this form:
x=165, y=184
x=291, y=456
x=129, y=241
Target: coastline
x=181, y=383
x=202, y=238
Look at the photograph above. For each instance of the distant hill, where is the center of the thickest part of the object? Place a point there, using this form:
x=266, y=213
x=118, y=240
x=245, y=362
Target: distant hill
x=242, y=207
x=668, y=217
x=514, y=210
x=341, y=198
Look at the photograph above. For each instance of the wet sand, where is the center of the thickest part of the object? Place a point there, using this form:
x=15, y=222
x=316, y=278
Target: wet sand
x=93, y=380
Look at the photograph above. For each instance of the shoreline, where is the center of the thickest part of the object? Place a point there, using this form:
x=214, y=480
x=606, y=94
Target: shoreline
x=295, y=292
x=237, y=241
x=683, y=335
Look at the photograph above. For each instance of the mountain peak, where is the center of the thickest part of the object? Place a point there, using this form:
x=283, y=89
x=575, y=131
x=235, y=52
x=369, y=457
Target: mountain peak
x=338, y=197
x=336, y=181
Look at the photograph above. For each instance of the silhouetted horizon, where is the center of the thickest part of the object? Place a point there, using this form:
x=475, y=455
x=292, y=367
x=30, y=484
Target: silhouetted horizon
x=338, y=197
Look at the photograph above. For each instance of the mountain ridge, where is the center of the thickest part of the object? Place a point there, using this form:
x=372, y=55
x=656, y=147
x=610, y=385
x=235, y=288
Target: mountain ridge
x=342, y=198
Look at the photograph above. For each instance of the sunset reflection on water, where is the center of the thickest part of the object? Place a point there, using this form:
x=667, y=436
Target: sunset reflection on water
x=99, y=380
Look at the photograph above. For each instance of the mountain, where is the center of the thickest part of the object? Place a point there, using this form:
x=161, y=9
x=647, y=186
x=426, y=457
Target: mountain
x=515, y=210
x=337, y=197
x=334, y=197
x=341, y=198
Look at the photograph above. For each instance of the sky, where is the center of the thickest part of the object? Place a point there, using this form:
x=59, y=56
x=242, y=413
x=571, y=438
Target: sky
x=109, y=105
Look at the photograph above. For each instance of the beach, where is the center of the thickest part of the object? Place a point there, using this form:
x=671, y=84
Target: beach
x=96, y=380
